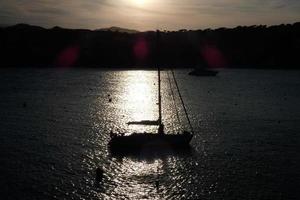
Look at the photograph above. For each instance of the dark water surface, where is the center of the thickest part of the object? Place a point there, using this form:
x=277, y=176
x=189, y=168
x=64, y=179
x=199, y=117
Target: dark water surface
x=54, y=130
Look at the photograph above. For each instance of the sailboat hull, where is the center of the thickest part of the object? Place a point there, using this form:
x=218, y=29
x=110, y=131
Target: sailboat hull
x=141, y=141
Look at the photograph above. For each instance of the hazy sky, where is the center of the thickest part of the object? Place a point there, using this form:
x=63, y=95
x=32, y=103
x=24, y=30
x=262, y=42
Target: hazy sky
x=149, y=14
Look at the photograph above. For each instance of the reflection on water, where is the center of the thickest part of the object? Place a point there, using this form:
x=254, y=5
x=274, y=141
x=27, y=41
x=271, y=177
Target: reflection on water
x=134, y=98
x=138, y=98
x=245, y=147
x=136, y=177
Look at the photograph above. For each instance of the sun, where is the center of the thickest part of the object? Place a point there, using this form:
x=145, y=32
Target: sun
x=142, y=3
x=139, y=2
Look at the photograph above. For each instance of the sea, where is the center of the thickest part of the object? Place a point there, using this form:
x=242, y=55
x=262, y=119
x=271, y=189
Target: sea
x=55, y=127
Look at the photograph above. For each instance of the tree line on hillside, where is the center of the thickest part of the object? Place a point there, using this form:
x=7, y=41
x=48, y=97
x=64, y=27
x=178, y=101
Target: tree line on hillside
x=245, y=47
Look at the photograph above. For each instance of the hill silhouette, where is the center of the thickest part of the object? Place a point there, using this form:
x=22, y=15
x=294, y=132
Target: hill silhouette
x=260, y=46
x=118, y=29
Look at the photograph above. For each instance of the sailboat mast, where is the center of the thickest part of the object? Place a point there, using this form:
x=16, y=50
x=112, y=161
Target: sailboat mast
x=159, y=83
x=161, y=126
x=159, y=96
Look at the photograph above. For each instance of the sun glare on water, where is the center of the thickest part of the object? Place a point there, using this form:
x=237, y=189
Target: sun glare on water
x=140, y=95
x=137, y=99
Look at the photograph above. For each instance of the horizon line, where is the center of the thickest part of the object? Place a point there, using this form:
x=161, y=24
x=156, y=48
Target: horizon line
x=136, y=30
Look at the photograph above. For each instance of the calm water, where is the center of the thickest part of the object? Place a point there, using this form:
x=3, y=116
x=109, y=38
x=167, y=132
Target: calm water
x=55, y=125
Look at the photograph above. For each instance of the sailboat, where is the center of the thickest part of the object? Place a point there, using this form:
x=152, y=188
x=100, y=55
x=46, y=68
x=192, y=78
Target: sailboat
x=160, y=139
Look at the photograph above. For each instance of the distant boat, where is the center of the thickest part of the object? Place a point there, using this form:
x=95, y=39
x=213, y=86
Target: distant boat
x=159, y=140
x=203, y=72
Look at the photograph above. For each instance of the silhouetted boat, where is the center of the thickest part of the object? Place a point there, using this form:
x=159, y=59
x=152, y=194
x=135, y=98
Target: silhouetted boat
x=203, y=72
x=138, y=141
x=159, y=140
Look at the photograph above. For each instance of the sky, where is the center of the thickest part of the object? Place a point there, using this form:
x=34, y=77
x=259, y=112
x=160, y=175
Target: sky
x=149, y=14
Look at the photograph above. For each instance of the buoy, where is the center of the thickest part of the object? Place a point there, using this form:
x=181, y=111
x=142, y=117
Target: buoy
x=99, y=175
x=157, y=184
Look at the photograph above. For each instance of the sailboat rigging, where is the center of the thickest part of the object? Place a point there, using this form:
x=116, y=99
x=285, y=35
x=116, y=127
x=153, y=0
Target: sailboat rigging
x=138, y=141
